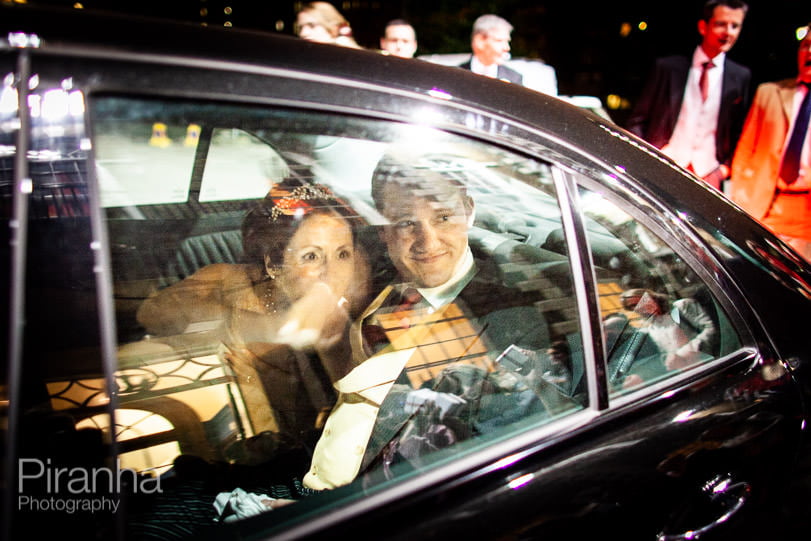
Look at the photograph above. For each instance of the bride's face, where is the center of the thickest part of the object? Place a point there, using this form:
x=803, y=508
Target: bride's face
x=321, y=250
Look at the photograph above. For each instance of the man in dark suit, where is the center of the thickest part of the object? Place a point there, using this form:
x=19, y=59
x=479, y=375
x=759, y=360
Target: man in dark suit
x=693, y=109
x=490, y=42
x=429, y=352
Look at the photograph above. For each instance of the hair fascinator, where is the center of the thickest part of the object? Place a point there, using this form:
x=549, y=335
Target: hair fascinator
x=294, y=202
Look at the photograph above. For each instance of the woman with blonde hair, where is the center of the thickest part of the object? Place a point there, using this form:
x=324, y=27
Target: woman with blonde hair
x=322, y=23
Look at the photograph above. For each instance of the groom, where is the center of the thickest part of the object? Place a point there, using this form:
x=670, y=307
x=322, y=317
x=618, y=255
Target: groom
x=425, y=351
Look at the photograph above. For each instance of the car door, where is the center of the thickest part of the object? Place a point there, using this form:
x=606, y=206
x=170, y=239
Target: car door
x=676, y=453
x=681, y=451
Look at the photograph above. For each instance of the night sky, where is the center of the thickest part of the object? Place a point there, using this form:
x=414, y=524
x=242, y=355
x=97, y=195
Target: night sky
x=581, y=40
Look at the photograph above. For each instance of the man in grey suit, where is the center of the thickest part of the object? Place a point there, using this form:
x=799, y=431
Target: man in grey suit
x=490, y=42
x=693, y=108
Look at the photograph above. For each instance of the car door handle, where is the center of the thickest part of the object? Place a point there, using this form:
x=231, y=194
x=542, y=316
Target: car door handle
x=726, y=498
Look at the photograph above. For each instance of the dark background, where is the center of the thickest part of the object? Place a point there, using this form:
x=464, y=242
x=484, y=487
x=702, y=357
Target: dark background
x=581, y=40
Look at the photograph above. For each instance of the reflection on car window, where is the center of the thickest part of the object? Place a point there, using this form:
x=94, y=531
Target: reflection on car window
x=144, y=162
x=238, y=166
x=659, y=318
x=307, y=301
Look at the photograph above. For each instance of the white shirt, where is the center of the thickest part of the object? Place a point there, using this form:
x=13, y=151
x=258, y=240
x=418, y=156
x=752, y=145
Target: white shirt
x=441, y=295
x=339, y=452
x=477, y=67
x=693, y=139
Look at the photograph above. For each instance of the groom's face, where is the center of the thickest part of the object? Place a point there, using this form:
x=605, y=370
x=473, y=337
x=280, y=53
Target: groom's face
x=426, y=235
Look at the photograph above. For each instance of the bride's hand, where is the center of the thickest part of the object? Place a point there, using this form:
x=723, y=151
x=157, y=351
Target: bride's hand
x=315, y=320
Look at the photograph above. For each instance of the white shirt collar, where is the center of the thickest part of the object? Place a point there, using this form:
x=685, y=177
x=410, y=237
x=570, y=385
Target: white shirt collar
x=477, y=67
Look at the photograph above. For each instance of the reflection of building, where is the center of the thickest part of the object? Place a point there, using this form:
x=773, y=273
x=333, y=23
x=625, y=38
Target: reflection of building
x=169, y=401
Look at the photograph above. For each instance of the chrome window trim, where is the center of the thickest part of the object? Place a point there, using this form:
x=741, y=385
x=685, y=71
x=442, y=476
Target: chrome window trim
x=584, y=286
x=105, y=296
x=664, y=389
x=19, y=247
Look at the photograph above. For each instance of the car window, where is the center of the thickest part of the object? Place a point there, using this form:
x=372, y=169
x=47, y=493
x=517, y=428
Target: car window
x=255, y=271
x=308, y=302
x=659, y=317
x=152, y=163
x=237, y=166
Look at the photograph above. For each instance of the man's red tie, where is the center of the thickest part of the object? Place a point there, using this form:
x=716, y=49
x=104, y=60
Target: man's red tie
x=704, y=80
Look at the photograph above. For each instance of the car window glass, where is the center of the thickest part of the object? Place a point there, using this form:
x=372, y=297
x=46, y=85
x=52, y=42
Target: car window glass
x=145, y=161
x=248, y=294
x=237, y=166
x=659, y=318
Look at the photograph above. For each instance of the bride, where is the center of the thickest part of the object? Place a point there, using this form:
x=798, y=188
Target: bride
x=302, y=281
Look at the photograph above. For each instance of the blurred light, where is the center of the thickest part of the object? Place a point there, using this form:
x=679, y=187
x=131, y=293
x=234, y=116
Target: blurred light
x=35, y=103
x=426, y=116
x=625, y=29
x=55, y=105
x=683, y=416
x=280, y=26
x=801, y=32
x=76, y=103
x=78, y=5
x=642, y=25
x=228, y=10
x=8, y=99
x=227, y=23
x=22, y=40
x=521, y=481
x=615, y=101
x=439, y=93
x=507, y=461
x=203, y=12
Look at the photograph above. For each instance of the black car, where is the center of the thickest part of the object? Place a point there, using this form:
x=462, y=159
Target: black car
x=661, y=393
